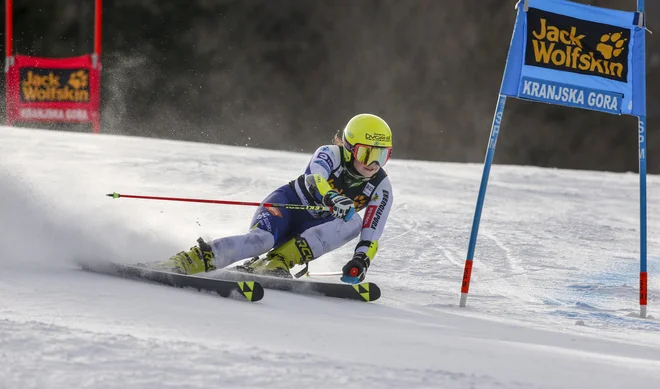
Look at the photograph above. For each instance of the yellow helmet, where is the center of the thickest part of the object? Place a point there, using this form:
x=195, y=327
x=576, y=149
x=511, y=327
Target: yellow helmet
x=368, y=139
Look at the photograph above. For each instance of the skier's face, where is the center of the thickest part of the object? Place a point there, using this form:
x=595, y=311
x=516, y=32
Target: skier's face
x=364, y=170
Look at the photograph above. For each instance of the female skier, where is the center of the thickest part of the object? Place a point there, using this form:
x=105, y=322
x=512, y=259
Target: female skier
x=347, y=176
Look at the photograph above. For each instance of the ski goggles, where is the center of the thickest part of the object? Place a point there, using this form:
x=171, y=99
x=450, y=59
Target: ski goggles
x=370, y=154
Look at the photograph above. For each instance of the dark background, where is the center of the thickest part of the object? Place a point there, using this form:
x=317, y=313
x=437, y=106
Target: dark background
x=287, y=74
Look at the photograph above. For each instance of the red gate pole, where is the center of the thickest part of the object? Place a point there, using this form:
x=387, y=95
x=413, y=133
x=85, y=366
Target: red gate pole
x=9, y=30
x=9, y=52
x=97, y=27
x=96, y=56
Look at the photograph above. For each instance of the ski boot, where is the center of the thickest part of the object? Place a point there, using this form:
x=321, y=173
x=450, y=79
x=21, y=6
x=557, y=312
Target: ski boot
x=198, y=259
x=279, y=262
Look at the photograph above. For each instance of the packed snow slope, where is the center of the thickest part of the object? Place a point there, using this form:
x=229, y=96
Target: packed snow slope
x=553, y=301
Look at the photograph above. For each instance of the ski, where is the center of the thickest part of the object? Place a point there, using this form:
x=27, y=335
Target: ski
x=366, y=291
x=241, y=288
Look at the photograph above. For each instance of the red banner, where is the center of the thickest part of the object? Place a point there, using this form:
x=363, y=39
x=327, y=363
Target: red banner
x=54, y=90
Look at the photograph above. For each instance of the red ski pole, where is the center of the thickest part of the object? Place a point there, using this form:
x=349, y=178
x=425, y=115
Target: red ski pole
x=300, y=207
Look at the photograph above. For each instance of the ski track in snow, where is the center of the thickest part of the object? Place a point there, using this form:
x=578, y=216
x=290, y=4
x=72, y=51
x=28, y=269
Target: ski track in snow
x=552, y=304
x=99, y=357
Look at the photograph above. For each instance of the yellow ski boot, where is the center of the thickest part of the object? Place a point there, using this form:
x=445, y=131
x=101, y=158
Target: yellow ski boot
x=279, y=262
x=198, y=259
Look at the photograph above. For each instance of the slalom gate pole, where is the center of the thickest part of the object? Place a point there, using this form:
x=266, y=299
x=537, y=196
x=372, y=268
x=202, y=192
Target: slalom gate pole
x=641, y=120
x=490, y=152
x=296, y=207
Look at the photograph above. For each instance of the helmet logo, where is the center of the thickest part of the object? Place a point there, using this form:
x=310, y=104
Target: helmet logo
x=378, y=137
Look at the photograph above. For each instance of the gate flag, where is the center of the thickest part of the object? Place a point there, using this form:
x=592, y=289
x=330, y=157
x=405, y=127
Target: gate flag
x=576, y=55
x=581, y=56
x=54, y=90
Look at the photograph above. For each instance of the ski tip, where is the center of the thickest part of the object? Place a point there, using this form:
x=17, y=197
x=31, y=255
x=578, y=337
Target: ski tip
x=114, y=195
x=251, y=290
x=368, y=291
x=375, y=292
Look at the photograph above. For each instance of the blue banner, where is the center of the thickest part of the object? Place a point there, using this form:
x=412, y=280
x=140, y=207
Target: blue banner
x=577, y=55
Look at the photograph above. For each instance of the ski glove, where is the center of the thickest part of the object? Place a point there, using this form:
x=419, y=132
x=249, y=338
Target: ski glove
x=342, y=206
x=356, y=269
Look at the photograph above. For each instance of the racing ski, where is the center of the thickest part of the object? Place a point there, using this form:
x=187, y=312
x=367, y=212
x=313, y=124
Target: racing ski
x=366, y=291
x=238, y=288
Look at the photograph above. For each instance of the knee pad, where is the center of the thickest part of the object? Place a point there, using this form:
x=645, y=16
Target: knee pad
x=295, y=251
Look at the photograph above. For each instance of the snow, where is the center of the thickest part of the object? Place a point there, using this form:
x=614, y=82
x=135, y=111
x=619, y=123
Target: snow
x=553, y=301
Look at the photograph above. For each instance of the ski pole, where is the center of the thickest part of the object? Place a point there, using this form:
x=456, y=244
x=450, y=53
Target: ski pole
x=305, y=272
x=330, y=274
x=116, y=195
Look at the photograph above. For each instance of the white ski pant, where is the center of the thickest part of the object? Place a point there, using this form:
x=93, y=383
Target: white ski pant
x=322, y=239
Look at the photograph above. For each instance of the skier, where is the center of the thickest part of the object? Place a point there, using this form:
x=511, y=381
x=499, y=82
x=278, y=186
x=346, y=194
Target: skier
x=347, y=176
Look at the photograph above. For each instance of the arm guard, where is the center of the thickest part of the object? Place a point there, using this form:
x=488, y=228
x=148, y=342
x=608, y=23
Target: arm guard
x=317, y=186
x=369, y=247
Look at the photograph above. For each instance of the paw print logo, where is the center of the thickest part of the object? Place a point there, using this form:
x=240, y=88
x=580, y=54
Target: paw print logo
x=78, y=79
x=360, y=201
x=331, y=182
x=611, y=45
